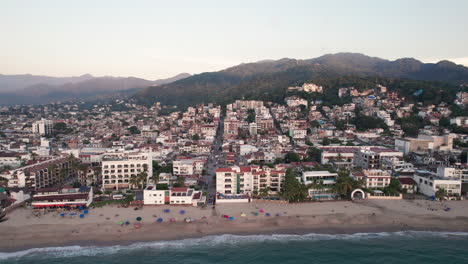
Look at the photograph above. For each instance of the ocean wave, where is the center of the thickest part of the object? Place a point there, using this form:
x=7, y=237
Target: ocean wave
x=209, y=241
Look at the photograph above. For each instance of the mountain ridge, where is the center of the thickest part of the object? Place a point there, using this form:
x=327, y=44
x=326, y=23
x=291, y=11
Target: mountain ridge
x=267, y=75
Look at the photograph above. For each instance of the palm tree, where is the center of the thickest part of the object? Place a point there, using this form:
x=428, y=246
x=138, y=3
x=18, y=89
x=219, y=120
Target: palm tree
x=440, y=194
x=134, y=181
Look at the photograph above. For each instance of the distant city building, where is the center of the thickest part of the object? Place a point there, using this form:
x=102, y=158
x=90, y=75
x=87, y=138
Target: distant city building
x=42, y=127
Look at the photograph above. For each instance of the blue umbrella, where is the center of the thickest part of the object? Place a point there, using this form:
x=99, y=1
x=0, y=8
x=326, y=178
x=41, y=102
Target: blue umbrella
x=167, y=210
x=85, y=211
x=81, y=208
x=82, y=215
x=127, y=223
x=159, y=220
x=182, y=212
x=72, y=214
x=62, y=214
x=231, y=218
x=267, y=214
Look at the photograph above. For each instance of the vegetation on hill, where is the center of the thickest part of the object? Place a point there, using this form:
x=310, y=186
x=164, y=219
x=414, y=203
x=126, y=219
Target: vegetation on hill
x=269, y=81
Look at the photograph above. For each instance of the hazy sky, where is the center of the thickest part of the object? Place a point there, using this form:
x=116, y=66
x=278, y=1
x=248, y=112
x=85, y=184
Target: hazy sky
x=157, y=39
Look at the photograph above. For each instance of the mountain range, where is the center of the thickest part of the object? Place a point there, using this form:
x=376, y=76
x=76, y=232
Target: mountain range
x=258, y=80
x=33, y=89
x=254, y=79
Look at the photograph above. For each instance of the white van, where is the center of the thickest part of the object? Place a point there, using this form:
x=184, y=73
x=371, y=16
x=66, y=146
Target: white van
x=118, y=197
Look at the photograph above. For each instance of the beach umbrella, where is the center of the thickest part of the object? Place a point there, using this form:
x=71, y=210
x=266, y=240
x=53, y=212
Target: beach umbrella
x=159, y=220
x=172, y=219
x=121, y=223
x=261, y=210
x=62, y=214
x=231, y=218
x=82, y=215
x=81, y=208
x=85, y=211
x=72, y=214
x=243, y=215
x=267, y=214
x=137, y=225
x=138, y=218
x=182, y=212
x=255, y=213
x=127, y=223
x=167, y=210
x=187, y=220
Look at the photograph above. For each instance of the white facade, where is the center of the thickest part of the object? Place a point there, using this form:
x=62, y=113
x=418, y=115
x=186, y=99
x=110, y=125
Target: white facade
x=429, y=184
x=118, y=168
x=187, y=167
x=246, y=180
x=42, y=127
x=152, y=196
x=376, y=178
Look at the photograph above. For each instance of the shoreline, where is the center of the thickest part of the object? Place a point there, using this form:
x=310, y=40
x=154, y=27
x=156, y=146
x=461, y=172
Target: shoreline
x=101, y=230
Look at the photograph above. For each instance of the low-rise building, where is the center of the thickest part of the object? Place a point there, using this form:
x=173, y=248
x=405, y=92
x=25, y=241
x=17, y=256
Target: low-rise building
x=320, y=184
x=63, y=197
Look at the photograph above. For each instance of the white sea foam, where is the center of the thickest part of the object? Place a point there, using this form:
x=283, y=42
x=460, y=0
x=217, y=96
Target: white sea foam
x=209, y=241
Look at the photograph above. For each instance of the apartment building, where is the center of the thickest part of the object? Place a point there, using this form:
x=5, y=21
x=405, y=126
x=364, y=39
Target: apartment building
x=42, y=127
x=118, y=168
x=188, y=166
x=248, y=180
x=43, y=173
x=63, y=197
x=373, y=178
x=429, y=184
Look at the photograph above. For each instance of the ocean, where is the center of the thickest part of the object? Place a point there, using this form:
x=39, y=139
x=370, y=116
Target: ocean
x=397, y=247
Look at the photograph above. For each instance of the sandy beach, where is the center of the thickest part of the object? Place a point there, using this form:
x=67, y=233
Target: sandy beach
x=23, y=230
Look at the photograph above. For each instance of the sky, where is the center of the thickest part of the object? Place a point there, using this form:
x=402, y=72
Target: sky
x=155, y=39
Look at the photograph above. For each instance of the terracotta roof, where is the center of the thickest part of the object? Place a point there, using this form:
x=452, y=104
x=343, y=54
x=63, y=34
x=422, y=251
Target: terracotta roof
x=409, y=181
x=179, y=189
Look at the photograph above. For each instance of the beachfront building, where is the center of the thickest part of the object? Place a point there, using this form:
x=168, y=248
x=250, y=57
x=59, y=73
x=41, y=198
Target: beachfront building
x=118, y=168
x=429, y=184
x=153, y=196
x=43, y=173
x=320, y=184
x=248, y=180
x=373, y=178
x=42, y=127
x=62, y=197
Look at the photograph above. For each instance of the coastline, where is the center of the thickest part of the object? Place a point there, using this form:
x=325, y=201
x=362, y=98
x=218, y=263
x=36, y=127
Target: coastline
x=314, y=218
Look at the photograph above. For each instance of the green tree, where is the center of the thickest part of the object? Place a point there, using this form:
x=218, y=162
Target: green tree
x=293, y=190
x=196, y=137
x=344, y=184
x=440, y=194
x=291, y=157
x=134, y=130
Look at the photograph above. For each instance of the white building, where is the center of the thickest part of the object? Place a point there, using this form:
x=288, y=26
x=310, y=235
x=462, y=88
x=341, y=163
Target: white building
x=188, y=166
x=152, y=196
x=321, y=183
x=312, y=88
x=66, y=197
x=429, y=184
x=42, y=127
x=249, y=179
x=374, y=178
x=118, y=168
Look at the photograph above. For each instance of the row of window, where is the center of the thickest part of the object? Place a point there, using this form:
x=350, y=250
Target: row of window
x=122, y=166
